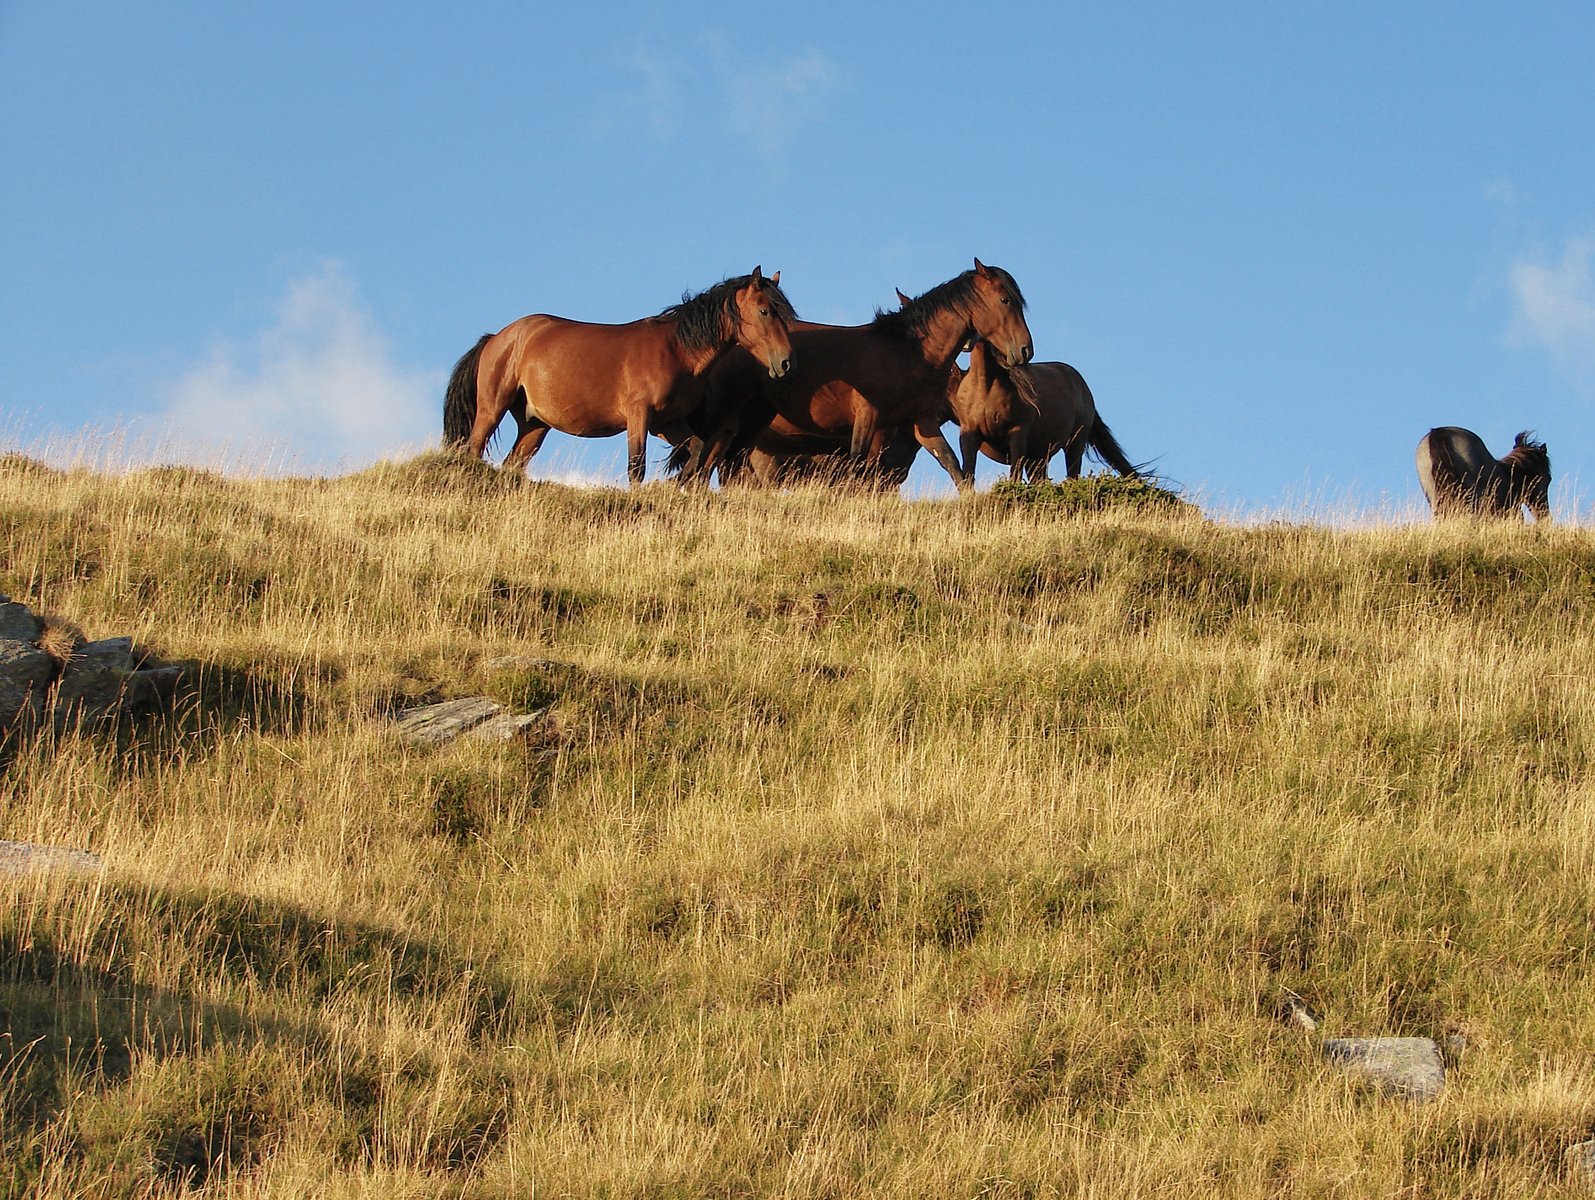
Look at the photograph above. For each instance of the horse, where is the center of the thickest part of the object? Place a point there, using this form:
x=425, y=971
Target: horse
x=851, y=383
x=1460, y=477
x=595, y=380
x=1024, y=415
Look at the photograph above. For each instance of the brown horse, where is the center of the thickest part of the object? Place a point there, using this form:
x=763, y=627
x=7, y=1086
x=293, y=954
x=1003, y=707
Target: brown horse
x=1024, y=415
x=1461, y=477
x=852, y=383
x=596, y=380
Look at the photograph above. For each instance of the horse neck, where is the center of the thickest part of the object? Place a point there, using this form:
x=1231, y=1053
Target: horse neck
x=944, y=334
x=695, y=362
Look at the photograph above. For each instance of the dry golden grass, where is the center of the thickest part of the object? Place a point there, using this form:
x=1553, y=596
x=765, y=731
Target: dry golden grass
x=877, y=849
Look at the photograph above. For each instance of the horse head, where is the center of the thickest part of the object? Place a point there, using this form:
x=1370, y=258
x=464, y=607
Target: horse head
x=997, y=316
x=1530, y=464
x=762, y=315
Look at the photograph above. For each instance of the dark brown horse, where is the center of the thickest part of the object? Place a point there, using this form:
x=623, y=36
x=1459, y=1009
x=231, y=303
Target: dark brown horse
x=1024, y=415
x=1462, y=478
x=596, y=380
x=854, y=385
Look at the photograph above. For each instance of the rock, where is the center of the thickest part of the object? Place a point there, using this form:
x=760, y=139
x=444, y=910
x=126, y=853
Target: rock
x=1581, y=1161
x=25, y=674
x=434, y=723
x=506, y=726
x=17, y=623
x=108, y=678
x=108, y=654
x=19, y=858
x=1407, y=1067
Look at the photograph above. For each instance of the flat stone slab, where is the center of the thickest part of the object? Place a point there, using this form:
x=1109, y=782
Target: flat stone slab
x=20, y=858
x=432, y=724
x=1410, y=1068
x=506, y=727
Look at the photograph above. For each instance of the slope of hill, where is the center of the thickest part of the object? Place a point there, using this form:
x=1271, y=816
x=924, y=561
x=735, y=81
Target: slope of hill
x=870, y=848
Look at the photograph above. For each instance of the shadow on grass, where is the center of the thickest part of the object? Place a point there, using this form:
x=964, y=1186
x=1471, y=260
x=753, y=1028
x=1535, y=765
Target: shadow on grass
x=105, y=1076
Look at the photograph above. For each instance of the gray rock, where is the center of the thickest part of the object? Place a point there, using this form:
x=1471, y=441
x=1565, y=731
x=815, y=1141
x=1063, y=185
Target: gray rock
x=107, y=654
x=17, y=623
x=25, y=674
x=434, y=723
x=506, y=726
x=1581, y=1161
x=1407, y=1067
x=105, y=679
x=19, y=858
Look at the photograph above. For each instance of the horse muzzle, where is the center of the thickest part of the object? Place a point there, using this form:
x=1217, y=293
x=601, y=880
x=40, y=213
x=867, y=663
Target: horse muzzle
x=1018, y=356
x=779, y=367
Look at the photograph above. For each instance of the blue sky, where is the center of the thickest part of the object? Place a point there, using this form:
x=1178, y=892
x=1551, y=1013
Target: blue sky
x=1280, y=240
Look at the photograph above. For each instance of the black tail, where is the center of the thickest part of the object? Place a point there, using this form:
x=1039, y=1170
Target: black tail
x=680, y=455
x=459, y=399
x=1107, y=448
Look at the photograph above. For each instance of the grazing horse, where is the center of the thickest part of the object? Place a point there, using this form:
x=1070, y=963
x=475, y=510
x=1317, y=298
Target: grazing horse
x=1024, y=415
x=1462, y=478
x=596, y=380
x=851, y=383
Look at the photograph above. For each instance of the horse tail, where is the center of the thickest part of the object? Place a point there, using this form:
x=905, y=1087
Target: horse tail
x=1107, y=448
x=678, y=458
x=459, y=398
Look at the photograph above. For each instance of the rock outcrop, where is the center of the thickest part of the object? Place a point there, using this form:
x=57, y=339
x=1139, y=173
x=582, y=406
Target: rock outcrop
x=78, y=683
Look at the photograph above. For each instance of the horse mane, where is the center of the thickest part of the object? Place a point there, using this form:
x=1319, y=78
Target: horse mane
x=914, y=318
x=1528, y=456
x=1024, y=383
x=708, y=320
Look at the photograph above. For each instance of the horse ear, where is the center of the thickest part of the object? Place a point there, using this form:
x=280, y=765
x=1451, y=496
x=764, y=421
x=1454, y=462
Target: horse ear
x=981, y=268
x=775, y=280
x=758, y=275
x=901, y=299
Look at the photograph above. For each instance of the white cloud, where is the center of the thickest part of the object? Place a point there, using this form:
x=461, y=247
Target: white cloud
x=318, y=390
x=1553, y=306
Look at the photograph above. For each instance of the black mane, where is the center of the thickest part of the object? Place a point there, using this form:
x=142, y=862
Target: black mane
x=708, y=320
x=1529, y=455
x=915, y=317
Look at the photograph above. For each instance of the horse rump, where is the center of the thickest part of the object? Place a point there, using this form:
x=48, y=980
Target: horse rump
x=459, y=398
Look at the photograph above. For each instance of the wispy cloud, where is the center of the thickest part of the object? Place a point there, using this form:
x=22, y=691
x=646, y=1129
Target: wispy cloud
x=649, y=96
x=1553, y=306
x=767, y=106
x=316, y=390
x=758, y=102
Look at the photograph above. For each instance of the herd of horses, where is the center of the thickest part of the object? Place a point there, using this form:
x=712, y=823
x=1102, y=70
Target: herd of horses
x=745, y=391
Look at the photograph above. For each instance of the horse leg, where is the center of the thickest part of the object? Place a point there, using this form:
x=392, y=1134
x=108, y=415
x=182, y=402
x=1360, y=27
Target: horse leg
x=637, y=448
x=865, y=419
x=490, y=410
x=528, y=441
x=1074, y=456
x=928, y=433
x=1018, y=446
x=688, y=447
x=969, y=446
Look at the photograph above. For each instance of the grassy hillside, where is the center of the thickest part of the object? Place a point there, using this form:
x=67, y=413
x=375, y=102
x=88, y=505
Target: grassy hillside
x=871, y=848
